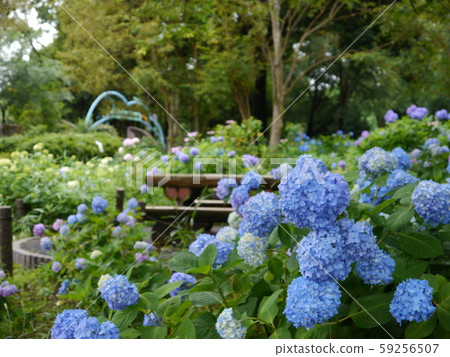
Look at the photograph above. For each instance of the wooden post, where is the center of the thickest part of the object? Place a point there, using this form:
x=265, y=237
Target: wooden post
x=6, y=238
x=20, y=209
x=120, y=197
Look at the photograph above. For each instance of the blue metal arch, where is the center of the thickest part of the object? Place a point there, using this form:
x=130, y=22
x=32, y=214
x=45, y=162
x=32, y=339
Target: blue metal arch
x=152, y=125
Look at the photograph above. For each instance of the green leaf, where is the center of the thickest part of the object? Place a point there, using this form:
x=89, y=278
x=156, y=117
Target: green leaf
x=318, y=331
x=421, y=329
x=268, y=302
x=162, y=291
x=183, y=262
x=282, y=332
x=130, y=333
x=205, y=298
x=399, y=218
x=205, y=269
x=150, y=300
x=404, y=191
x=433, y=281
x=408, y=269
x=169, y=307
x=292, y=263
x=153, y=332
x=420, y=245
x=374, y=310
x=276, y=267
x=205, y=326
x=124, y=318
x=443, y=306
x=208, y=256
x=286, y=236
x=351, y=176
x=186, y=329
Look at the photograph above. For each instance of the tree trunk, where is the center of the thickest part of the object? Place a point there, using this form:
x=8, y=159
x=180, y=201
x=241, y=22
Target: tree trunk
x=259, y=100
x=242, y=100
x=277, y=76
x=196, y=116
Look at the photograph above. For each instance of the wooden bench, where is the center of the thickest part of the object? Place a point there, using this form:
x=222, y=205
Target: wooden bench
x=186, y=191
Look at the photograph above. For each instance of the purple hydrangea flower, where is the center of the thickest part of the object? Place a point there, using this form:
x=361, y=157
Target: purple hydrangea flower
x=57, y=225
x=7, y=289
x=56, y=267
x=231, y=153
x=80, y=263
x=365, y=134
x=39, y=230
x=442, y=114
x=194, y=151
x=223, y=187
x=249, y=160
x=390, y=116
x=341, y=164
x=239, y=196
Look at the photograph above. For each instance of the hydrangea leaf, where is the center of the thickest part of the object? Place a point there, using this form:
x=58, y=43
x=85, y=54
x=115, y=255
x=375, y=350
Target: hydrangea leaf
x=153, y=332
x=376, y=305
x=124, y=318
x=183, y=262
x=162, y=291
x=203, y=298
x=420, y=245
x=281, y=333
x=208, y=256
x=130, y=333
x=204, y=326
x=443, y=306
x=399, y=218
x=150, y=300
x=186, y=329
x=420, y=329
x=169, y=306
x=408, y=269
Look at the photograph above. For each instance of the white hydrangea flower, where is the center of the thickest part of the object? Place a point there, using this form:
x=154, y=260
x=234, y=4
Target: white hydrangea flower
x=228, y=327
x=103, y=279
x=95, y=254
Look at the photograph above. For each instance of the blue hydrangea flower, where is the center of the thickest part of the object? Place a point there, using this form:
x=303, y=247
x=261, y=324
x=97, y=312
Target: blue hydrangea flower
x=322, y=256
x=90, y=328
x=124, y=217
x=390, y=116
x=252, y=249
x=360, y=243
x=252, y=180
x=412, y=301
x=376, y=271
x=201, y=242
x=72, y=219
x=80, y=263
x=81, y=209
x=311, y=302
x=152, y=320
x=204, y=240
x=188, y=282
x=227, y=234
x=64, y=288
x=119, y=293
x=238, y=197
x=223, y=187
x=281, y=171
x=64, y=230
x=108, y=331
x=397, y=179
x=228, y=327
x=133, y=203
x=66, y=323
x=260, y=215
x=404, y=163
x=117, y=231
x=442, y=114
x=311, y=196
x=431, y=201
x=46, y=243
x=304, y=147
x=376, y=162
x=431, y=141
x=99, y=204
x=184, y=158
